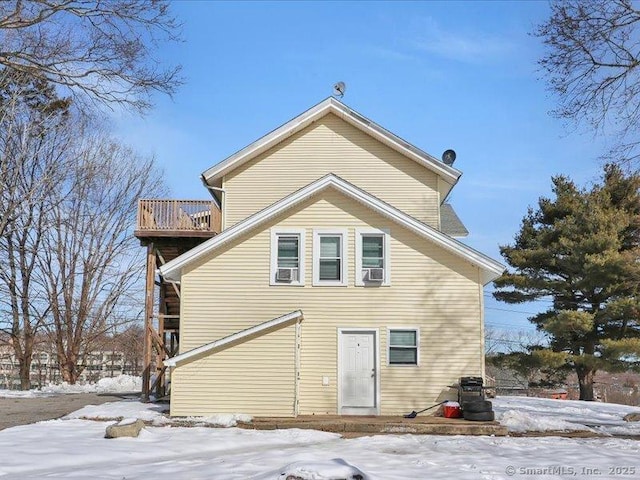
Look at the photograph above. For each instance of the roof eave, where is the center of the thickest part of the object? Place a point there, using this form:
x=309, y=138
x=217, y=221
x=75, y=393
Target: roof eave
x=208, y=347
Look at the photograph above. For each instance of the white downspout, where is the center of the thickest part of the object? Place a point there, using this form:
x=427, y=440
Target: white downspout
x=296, y=390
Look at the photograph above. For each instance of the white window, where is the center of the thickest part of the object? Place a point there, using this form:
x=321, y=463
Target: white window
x=330, y=257
x=403, y=346
x=373, y=259
x=287, y=257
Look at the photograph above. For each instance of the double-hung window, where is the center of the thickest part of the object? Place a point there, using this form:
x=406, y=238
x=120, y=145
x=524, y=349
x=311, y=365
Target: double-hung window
x=287, y=257
x=403, y=346
x=330, y=257
x=373, y=257
x=373, y=251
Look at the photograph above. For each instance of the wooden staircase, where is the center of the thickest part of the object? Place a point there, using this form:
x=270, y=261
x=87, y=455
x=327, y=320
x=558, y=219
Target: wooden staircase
x=168, y=228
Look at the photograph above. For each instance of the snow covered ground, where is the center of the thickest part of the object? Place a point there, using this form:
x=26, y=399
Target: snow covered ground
x=119, y=384
x=75, y=448
x=522, y=414
x=149, y=412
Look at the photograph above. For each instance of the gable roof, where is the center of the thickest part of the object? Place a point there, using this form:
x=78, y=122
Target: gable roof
x=331, y=105
x=256, y=329
x=489, y=267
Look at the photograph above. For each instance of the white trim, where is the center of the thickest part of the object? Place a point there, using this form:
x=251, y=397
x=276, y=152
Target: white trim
x=344, y=259
x=386, y=234
x=296, y=354
x=261, y=327
x=394, y=365
x=491, y=269
x=482, y=331
x=376, y=409
x=273, y=262
x=331, y=105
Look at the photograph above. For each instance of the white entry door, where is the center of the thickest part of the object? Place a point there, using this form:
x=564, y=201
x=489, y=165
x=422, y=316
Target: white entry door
x=358, y=371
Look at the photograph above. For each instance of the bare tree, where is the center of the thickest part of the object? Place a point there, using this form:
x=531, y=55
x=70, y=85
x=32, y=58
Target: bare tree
x=90, y=259
x=492, y=341
x=34, y=139
x=592, y=65
x=102, y=48
x=30, y=118
x=511, y=358
x=508, y=341
x=131, y=343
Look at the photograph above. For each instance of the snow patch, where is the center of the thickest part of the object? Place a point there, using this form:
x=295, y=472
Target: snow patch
x=149, y=412
x=517, y=421
x=119, y=384
x=154, y=413
x=23, y=394
x=127, y=421
x=531, y=414
x=220, y=420
x=334, y=469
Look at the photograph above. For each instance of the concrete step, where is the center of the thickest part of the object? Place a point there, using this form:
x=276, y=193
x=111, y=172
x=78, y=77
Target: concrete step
x=374, y=425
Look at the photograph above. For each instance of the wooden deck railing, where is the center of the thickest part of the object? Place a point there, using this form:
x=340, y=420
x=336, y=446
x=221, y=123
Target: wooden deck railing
x=180, y=217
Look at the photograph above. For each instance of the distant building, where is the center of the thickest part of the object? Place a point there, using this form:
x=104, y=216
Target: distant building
x=45, y=369
x=507, y=382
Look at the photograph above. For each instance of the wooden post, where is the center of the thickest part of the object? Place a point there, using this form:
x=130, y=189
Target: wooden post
x=160, y=356
x=162, y=352
x=148, y=316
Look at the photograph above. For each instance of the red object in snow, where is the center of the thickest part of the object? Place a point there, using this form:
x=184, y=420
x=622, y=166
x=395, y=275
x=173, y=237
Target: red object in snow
x=451, y=411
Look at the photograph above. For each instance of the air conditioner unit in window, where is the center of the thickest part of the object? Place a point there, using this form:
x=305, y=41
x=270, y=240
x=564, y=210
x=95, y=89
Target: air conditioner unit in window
x=375, y=275
x=286, y=274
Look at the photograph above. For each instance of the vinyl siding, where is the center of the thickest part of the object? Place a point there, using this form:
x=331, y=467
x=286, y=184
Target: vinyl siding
x=430, y=288
x=256, y=377
x=331, y=145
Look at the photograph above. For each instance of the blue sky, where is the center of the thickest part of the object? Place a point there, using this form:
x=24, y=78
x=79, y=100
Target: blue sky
x=441, y=75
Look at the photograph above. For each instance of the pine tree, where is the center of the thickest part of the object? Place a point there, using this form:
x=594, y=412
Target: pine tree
x=581, y=252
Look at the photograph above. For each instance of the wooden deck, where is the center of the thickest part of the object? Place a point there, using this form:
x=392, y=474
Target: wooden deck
x=351, y=426
x=177, y=218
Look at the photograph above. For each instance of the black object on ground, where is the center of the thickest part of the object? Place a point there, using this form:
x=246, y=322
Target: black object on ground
x=474, y=405
x=414, y=414
x=477, y=406
x=479, y=416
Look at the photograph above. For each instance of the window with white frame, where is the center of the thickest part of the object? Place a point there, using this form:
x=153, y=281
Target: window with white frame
x=403, y=346
x=330, y=257
x=287, y=257
x=373, y=257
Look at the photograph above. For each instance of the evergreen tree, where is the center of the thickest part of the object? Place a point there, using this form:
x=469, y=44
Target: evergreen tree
x=581, y=252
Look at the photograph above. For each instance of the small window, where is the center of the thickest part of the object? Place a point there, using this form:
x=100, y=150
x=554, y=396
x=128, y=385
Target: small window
x=330, y=257
x=288, y=251
x=372, y=257
x=287, y=257
x=372, y=251
x=403, y=347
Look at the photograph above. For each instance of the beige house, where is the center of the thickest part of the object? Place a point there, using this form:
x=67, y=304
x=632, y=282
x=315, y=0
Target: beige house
x=335, y=286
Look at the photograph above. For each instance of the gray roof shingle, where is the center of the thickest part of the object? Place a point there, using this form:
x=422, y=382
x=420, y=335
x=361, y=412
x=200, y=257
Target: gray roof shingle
x=450, y=223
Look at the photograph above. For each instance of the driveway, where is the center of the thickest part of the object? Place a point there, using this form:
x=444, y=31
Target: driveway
x=21, y=411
